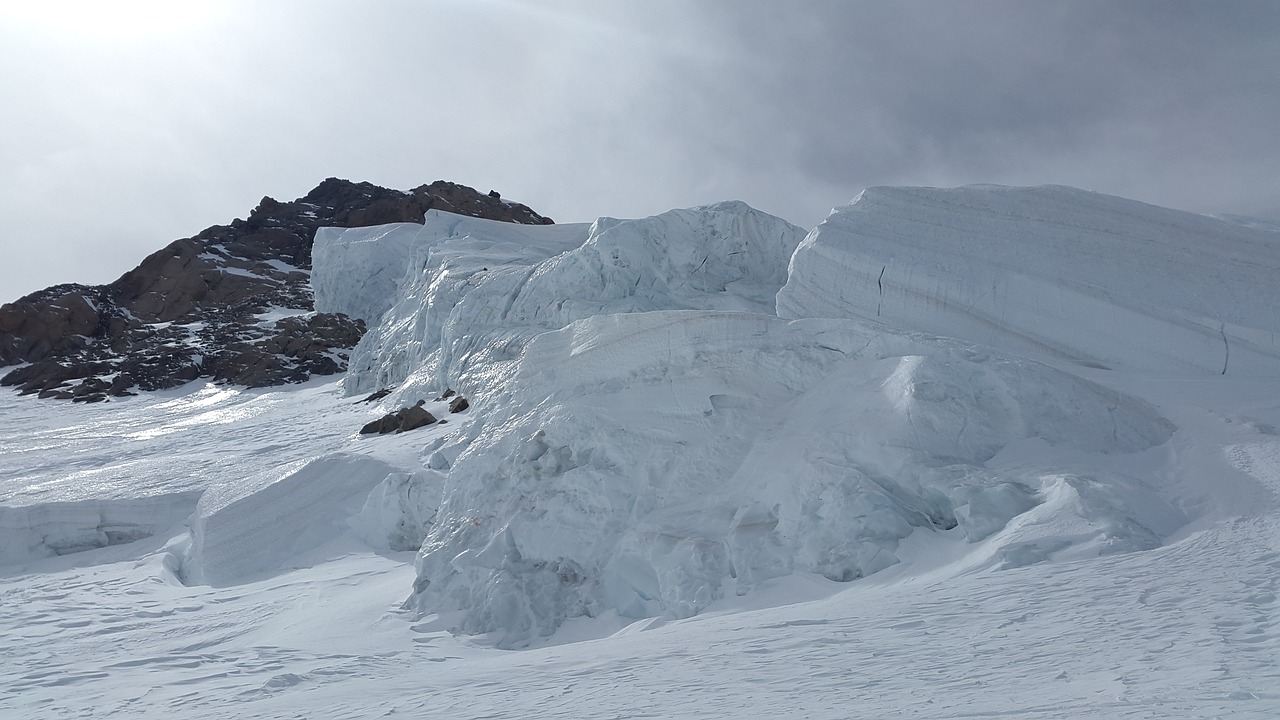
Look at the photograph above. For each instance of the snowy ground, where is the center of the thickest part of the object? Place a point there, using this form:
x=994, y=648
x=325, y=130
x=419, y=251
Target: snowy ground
x=1185, y=630
x=650, y=497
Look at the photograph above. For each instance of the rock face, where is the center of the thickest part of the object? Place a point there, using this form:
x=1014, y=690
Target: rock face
x=233, y=303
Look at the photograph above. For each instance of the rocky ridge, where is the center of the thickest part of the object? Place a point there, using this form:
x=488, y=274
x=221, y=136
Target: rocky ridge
x=233, y=303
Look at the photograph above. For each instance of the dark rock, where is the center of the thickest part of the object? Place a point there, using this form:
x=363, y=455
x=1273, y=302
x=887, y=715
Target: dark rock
x=193, y=308
x=32, y=330
x=377, y=395
x=413, y=418
x=458, y=404
x=445, y=395
x=381, y=426
x=402, y=420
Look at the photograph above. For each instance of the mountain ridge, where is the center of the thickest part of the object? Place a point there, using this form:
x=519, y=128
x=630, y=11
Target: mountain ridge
x=232, y=302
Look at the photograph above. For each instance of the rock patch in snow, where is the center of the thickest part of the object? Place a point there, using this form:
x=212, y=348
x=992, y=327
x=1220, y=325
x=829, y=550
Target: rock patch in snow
x=402, y=420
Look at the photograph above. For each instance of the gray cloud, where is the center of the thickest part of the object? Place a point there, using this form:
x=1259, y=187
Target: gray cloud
x=582, y=108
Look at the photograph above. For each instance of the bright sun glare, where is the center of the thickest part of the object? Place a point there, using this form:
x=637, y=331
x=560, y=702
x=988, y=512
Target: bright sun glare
x=107, y=20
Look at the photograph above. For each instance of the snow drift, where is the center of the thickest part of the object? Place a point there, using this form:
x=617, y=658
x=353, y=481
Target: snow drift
x=273, y=520
x=1053, y=271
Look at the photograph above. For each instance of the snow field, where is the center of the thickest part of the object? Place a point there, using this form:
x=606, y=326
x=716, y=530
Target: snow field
x=660, y=470
x=85, y=477
x=1186, y=630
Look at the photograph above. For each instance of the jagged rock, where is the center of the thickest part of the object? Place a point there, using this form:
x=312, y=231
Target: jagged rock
x=38, y=326
x=445, y=395
x=414, y=417
x=458, y=404
x=377, y=395
x=194, y=308
x=402, y=420
x=381, y=426
x=298, y=348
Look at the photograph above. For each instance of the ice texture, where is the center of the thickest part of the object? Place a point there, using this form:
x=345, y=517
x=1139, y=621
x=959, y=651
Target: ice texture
x=678, y=475
x=476, y=290
x=650, y=437
x=653, y=463
x=647, y=437
x=1051, y=270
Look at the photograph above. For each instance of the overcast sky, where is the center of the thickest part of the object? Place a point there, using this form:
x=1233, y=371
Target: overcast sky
x=124, y=129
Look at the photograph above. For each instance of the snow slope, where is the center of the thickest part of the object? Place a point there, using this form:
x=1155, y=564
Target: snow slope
x=676, y=501
x=1050, y=270
x=1185, y=630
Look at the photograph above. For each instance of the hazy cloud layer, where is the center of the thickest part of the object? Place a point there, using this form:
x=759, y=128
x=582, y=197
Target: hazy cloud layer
x=124, y=132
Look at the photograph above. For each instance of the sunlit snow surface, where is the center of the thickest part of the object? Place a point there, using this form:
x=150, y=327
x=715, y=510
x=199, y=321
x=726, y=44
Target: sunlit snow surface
x=671, y=501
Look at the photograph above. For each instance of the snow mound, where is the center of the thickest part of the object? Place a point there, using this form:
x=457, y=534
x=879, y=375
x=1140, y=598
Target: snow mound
x=1051, y=270
x=278, y=519
x=652, y=463
x=476, y=291
x=34, y=531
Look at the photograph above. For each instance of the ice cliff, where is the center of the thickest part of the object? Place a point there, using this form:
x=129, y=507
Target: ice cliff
x=650, y=432
x=1051, y=271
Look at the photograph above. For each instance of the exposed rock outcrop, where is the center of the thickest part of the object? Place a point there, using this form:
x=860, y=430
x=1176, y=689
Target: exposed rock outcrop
x=233, y=303
x=402, y=420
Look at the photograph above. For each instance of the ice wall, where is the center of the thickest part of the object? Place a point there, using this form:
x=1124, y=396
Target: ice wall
x=1053, y=271
x=652, y=463
x=356, y=271
x=475, y=290
x=647, y=435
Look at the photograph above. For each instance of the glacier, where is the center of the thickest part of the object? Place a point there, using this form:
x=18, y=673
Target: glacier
x=953, y=451
x=1050, y=271
x=674, y=409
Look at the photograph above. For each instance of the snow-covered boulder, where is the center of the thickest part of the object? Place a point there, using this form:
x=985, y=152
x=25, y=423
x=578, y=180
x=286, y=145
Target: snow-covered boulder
x=1054, y=271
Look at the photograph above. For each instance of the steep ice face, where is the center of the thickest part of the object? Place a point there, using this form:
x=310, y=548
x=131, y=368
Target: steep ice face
x=356, y=271
x=476, y=291
x=647, y=435
x=1052, y=271
x=652, y=463
x=412, y=276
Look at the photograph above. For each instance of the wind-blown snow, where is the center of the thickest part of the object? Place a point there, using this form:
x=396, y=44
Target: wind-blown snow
x=727, y=510
x=291, y=509
x=1051, y=270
